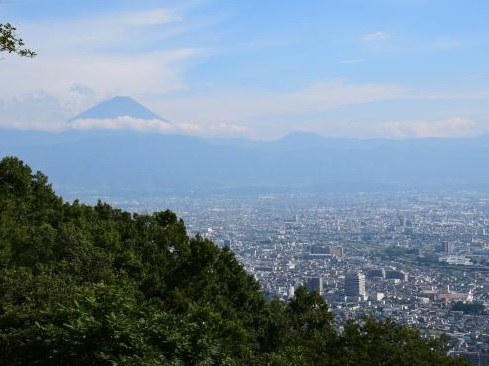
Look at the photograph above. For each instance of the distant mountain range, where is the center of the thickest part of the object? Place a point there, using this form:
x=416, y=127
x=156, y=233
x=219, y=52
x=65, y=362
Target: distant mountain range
x=105, y=162
x=124, y=162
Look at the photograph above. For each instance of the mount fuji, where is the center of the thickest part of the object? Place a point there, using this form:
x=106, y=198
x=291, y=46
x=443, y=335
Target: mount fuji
x=118, y=107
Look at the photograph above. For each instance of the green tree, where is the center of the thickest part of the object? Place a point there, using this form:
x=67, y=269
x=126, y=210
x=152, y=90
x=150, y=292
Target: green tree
x=10, y=42
x=15, y=179
x=377, y=343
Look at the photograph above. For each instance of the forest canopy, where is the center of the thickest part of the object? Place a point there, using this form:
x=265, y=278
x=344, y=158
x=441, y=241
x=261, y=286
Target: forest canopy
x=96, y=285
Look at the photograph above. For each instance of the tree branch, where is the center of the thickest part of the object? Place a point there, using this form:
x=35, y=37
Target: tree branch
x=9, y=42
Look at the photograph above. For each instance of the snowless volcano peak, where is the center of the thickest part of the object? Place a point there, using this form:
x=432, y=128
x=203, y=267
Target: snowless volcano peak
x=118, y=107
x=120, y=114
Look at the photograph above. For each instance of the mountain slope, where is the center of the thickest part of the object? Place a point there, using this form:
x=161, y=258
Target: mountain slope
x=118, y=107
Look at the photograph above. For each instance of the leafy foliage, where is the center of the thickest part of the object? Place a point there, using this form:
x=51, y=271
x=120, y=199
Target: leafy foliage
x=83, y=285
x=9, y=42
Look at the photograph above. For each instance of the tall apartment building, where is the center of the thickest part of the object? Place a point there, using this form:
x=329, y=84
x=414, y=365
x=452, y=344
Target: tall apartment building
x=315, y=284
x=355, y=285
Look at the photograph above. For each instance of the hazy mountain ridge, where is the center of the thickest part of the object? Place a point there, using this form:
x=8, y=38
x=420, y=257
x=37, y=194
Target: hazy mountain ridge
x=177, y=163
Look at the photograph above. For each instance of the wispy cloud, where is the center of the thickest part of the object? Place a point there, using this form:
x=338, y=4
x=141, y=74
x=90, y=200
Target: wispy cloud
x=121, y=31
x=35, y=111
x=250, y=113
x=434, y=95
x=370, y=37
x=242, y=106
x=214, y=129
x=90, y=58
x=348, y=61
x=445, y=43
x=107, y=74
x=451, y=127
x=149, y=17
x=123, y=123
x=454, y=127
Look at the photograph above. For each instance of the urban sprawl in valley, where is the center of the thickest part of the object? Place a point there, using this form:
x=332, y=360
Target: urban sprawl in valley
x=418, y=258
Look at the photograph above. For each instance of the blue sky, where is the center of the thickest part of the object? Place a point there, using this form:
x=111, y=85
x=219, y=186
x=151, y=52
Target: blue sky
x=259, y=69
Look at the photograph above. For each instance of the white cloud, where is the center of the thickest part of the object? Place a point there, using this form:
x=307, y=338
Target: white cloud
x=149, y=17
x=127, y=123
x=76, y=81
x=374, y=36
x=104, y=53
x=124, y=31
x=35, y=111
x=452, y=127
x=214, y=129
x=82, y=89
x=447, y=95
x=123, y=123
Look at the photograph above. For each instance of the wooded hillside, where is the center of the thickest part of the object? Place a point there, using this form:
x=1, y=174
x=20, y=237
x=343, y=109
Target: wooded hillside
x=83, y=285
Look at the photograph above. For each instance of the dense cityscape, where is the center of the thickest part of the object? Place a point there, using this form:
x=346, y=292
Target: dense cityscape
x=418, y=258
